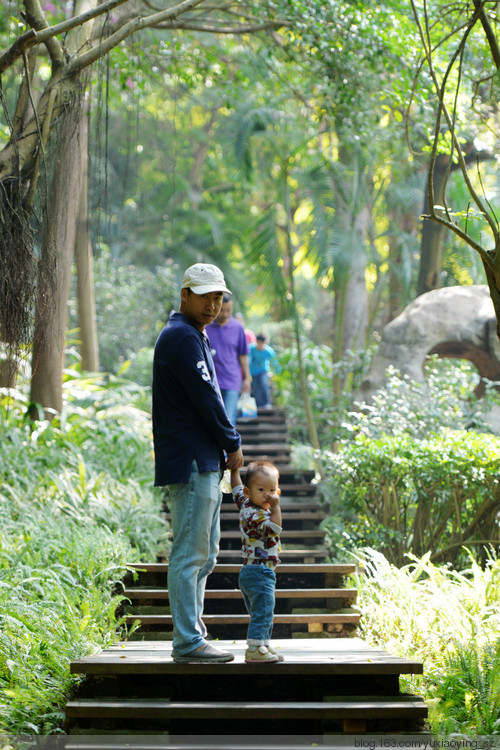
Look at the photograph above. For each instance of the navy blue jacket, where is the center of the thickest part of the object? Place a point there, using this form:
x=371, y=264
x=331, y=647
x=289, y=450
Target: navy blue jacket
x=189, y=418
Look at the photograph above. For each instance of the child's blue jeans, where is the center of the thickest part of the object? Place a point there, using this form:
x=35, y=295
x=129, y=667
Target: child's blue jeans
x=257, y=584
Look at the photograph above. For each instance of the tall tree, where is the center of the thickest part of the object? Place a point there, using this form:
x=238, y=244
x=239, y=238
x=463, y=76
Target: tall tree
x=461, y=54
x=73, y=45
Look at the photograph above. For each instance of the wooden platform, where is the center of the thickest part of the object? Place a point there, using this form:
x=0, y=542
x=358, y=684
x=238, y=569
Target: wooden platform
x=326, y=656
x=322, y=685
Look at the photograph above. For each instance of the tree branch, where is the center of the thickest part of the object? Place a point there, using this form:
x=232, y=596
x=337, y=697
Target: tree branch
x=489, y=33
x=136, y=24
x=442, y=553
x=443, y=110
x=24, y=99
x=36, y=18
x=33, y=36
x=247, y=29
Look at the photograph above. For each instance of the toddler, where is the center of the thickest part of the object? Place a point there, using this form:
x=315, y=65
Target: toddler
x=260, y=526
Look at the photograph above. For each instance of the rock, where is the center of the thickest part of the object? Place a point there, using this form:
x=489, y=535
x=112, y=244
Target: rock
x=456, y=322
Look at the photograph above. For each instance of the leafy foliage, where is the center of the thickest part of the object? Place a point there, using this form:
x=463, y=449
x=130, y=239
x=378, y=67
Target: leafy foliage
x=446, y=400
x=450, y=621
x=402, y=495
x=75, y=508
x=320, y=370
x=415, y=470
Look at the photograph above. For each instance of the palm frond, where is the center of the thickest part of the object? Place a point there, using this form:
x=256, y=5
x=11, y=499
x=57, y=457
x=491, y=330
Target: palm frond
x=266, y=259
x=255, y=120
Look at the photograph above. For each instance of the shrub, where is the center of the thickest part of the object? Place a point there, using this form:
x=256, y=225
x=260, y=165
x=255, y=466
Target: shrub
x=320, y=372
x=446, y=400
x=450, y=621
x=402, y=495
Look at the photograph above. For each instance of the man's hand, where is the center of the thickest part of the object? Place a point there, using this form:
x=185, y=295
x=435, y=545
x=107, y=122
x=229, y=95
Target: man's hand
x=245, y=385
x=234, y=460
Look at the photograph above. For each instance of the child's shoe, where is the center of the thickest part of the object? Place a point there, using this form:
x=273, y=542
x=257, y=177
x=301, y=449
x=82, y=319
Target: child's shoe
x=260, y=654
x=272, y=650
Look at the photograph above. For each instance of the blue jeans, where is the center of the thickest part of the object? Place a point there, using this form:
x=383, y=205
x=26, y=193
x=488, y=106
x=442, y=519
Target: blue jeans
x=257, y=584
x=194, y=508
x=260, y=389
x=230, y=399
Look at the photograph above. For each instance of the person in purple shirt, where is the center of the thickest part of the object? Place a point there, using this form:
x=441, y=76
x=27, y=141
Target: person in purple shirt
x=193, y=442
x=230, y=352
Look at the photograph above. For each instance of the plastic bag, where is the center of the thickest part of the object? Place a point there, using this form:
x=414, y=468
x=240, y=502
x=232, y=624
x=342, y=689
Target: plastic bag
x=247, y=406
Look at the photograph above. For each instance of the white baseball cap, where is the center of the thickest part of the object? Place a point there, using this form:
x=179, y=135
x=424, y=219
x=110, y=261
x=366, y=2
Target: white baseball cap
x=203, y=278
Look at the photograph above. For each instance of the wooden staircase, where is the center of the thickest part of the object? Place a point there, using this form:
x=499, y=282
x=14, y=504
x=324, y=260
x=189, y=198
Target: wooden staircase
x=330, y=681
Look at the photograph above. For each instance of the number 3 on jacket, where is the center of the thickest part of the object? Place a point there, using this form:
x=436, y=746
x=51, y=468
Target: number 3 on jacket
x=202, y=365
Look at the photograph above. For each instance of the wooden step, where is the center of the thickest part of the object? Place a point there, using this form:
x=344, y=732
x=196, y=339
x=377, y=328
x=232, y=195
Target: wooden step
x=315, y=622
x=161, y=594
x=266, y=448
x=304, y=535
x=255, y=438
x=344, y=569
x=296, y=555
x=225, y=575
x=290, y=474
x=310, y=536
x=289, y=506
x=230, y=513
x=263, y=432
x=264, y=417
x=361, y=708
x=263, y=424
x=345, y=673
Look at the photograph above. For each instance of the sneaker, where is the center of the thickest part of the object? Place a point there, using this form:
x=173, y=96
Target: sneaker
x=272, y=650
x=204, y=654
x=260, y=654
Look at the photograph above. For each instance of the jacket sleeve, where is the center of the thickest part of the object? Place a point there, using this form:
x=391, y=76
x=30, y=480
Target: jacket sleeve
x=196, y=373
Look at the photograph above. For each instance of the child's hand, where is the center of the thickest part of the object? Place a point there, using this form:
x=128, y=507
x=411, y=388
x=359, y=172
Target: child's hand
x=235, y=478
x=274, y=500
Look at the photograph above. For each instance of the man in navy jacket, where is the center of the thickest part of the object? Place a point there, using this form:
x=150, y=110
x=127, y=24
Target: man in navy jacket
x=193, y=440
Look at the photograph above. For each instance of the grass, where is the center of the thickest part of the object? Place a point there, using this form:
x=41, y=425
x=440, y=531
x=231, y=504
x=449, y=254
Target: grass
x=450, y=621
x=76, y=506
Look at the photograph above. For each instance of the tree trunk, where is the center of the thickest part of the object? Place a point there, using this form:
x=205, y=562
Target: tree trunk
x=351, y=303
x=356, y=305
x=89, y=347
x=59, y=237
x=54, y=275
x=429, y=276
